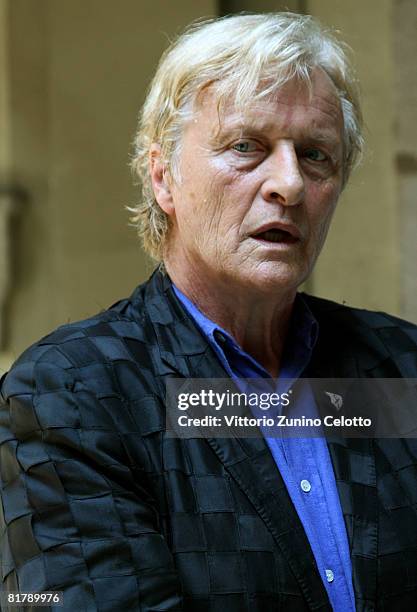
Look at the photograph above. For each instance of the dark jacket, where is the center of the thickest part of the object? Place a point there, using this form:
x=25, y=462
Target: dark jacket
x=99, y=503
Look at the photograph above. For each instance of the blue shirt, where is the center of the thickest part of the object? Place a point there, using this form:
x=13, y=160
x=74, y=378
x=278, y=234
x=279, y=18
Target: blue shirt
x=304, y=463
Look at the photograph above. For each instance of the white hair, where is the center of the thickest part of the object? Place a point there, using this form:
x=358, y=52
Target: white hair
x=247, y=57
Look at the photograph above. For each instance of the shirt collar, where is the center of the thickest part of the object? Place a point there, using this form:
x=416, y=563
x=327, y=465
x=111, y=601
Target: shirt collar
x=302, y=337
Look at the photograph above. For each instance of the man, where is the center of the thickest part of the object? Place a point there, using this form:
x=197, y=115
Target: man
x=247, y=138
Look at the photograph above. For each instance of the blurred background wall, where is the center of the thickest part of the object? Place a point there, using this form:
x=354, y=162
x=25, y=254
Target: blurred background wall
x=73, y=74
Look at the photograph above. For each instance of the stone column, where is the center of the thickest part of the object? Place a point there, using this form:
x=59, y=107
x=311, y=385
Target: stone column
x=360, y=262
x=405, y=90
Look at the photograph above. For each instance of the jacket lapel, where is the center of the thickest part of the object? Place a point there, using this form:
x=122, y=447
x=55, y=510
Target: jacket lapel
x=250, y=463
x=185, y=352
x=353, y=459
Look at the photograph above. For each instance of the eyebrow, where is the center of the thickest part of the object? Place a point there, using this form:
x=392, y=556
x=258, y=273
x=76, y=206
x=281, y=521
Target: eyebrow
x=324, y=135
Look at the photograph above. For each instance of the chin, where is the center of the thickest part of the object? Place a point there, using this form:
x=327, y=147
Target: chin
x=271, y=279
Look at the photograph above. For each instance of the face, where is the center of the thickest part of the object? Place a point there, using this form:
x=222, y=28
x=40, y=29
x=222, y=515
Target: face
x=257, y=190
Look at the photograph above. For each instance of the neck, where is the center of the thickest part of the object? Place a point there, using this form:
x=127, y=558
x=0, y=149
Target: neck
x=258, y=322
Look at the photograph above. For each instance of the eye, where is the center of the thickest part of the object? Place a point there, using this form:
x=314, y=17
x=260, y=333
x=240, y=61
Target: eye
x=245, y=146
x=315, y=155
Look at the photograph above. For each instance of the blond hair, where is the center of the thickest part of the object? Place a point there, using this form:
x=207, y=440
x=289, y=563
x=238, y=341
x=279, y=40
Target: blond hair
x=247, y=57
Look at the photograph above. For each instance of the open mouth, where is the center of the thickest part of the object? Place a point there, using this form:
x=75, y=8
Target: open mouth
x=276, y=236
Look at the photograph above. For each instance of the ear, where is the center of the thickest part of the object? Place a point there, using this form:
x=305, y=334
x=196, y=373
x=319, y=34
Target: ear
x=160, y=179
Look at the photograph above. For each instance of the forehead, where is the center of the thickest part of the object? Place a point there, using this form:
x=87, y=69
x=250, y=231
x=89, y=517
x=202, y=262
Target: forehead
x=294, y=106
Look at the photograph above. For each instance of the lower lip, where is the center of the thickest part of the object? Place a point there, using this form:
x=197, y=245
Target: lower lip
x=282, y=245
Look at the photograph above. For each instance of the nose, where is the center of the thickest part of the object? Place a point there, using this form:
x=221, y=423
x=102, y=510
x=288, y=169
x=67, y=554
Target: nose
x=284, y=183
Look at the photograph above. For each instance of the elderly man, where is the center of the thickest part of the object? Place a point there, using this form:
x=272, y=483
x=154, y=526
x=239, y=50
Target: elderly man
x=246, y=140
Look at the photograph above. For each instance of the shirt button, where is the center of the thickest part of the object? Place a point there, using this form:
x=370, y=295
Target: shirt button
x=219, y=336
x=305, y=485
x=329, y=575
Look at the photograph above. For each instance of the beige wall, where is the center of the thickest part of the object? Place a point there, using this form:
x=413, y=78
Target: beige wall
x=260, y=6
x=4, y=93
x=72, y=77
x=360, y=262
x=5, y=178
x=79, y=72
x=405, y=90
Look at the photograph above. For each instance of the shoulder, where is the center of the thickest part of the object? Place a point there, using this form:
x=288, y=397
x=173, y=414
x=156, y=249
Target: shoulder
x=98, y=374
x=373, y=334
x=88, y=350
x=350, y=317
x=95, y=374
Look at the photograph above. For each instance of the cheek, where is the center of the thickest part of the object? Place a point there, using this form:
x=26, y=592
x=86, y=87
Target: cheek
x=323, y=200
x=200, y=209
x=212, y=201
x=222, y=200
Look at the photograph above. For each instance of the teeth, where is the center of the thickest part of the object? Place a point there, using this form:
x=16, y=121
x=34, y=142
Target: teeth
x=275, y=235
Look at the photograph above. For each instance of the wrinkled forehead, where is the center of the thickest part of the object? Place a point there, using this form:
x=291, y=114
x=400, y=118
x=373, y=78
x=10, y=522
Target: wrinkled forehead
x=315, y=101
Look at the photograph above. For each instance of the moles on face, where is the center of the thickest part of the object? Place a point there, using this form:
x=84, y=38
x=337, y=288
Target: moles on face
x=257, y=190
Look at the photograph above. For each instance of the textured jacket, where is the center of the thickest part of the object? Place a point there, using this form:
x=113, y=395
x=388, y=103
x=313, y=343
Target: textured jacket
x=99, y=503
